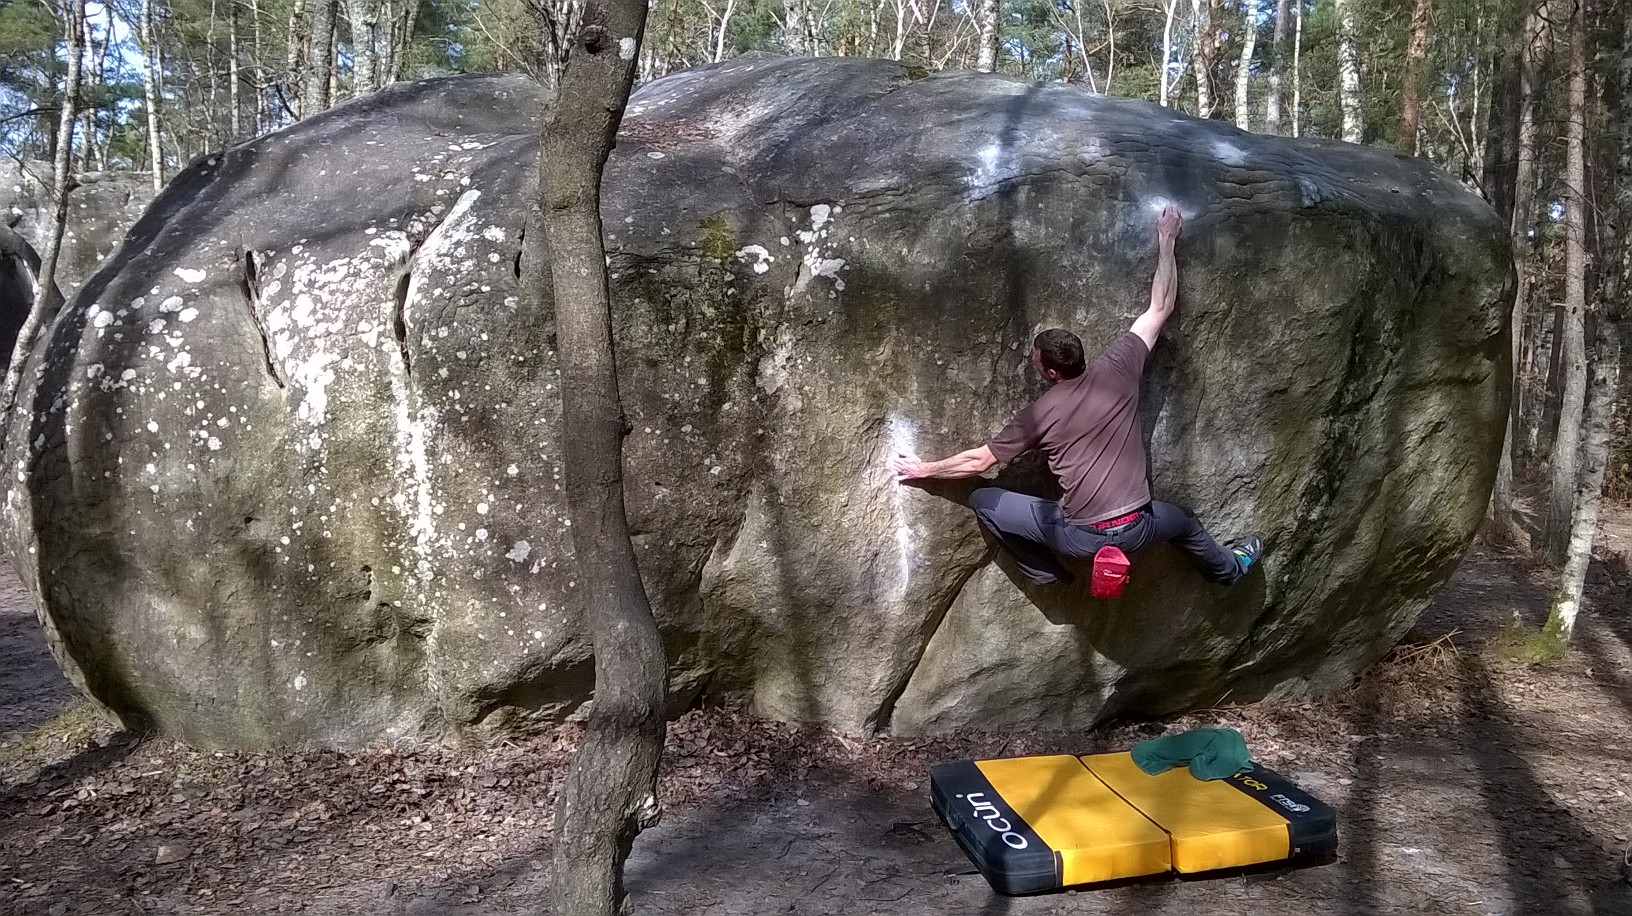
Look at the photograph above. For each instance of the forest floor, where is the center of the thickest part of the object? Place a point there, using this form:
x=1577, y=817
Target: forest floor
x=1466, y=782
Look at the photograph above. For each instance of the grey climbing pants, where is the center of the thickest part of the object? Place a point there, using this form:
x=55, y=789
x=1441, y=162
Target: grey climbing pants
x=1036, y=534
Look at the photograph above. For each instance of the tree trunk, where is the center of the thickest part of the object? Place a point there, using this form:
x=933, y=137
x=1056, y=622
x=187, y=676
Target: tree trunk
x=150, y=94
x=991, y=32
x=364, y=16
x=1243, y=71
x=1537, y=42
x=1588, y=493
x=1167, y=50
x=798, y=32
x=47, y=295
x=1416, y=56
x=257, y=68
x=1498, y=166
x=319, y=58
x=402, y=40
x=293, y=90
x=1547, y=377
x=46, y=291
x=93, y=76
x=208, y=113
x=611, y=793
x=1604, y=387
x=1476, y=143
x=1297, y=69
x=334, y=51
x=1110, y=49
x=1348, y=74
x=236, y=123
x=1201, y=63
x=391, y=52
x=1498, y=169
x=1567, y=440
x=900, y=43
x=725, y=24
x=560, y=25
x=1272, y=101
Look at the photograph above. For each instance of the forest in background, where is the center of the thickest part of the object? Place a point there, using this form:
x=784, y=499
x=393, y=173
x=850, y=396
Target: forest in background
x=1421, y=74
x=1525, y=101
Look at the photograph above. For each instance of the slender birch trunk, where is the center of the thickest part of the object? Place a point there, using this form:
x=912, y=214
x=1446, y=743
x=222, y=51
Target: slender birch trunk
x=561, y=18
x=46, y=291
x=1272, y=100
x=1616, y=292
x=1476, y=143
x=1297, y=69
x=364, y=16
x=990, y=13
x=900, y=42
x=48, y=296
x=234, y=102
x=1588, y=492
x=410, y=21
x=256, y=69
x=1567, y=441
x=1348, y=74
x=1167, y=50
x=1537, y=44
x=334, y=54
x=798, y=34
x=319, y=58
x=1243, y=71
x=1110, y=50
x=725, y=24
x=1200, y=63
x=209, y=113
x=399, y=36
x=150, y=93
x=294, y=59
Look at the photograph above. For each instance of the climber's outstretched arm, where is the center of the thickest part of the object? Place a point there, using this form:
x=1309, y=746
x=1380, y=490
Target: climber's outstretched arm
x=970, y=463
x=1164, y=290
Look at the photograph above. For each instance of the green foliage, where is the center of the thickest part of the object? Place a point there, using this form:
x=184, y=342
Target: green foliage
x=1098, y=42
x=29, y=71
x=1032, y=40
x=753, y=26
x=28, y=35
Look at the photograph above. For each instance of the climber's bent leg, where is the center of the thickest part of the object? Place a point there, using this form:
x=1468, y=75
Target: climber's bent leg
x=1024, y=526
x=1181, y=526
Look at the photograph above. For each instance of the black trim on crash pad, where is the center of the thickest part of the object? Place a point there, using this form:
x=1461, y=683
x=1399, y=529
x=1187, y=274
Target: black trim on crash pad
x=1311, y=824
x=960, y=795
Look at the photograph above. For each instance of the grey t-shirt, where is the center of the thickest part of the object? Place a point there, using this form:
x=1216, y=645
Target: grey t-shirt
x=1088, y=427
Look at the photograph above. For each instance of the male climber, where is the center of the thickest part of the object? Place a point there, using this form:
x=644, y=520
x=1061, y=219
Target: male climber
x=1087, y=423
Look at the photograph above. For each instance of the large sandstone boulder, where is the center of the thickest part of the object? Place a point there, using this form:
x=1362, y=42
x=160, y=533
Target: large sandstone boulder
x=102, y=206
x=291, y=470
x=19, y=267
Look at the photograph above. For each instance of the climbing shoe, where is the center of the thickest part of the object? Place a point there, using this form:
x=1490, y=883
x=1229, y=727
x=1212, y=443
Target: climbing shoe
x=1248, y=552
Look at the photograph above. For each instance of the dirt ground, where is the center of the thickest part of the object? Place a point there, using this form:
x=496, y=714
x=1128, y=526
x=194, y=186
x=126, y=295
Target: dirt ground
x=1466, y=783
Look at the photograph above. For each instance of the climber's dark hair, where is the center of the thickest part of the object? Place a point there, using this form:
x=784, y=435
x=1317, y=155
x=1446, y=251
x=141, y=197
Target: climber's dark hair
x=1061, y=351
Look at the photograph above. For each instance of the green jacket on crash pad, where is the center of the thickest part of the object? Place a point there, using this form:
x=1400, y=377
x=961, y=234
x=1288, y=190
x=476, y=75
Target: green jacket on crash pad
x=1212, y=753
